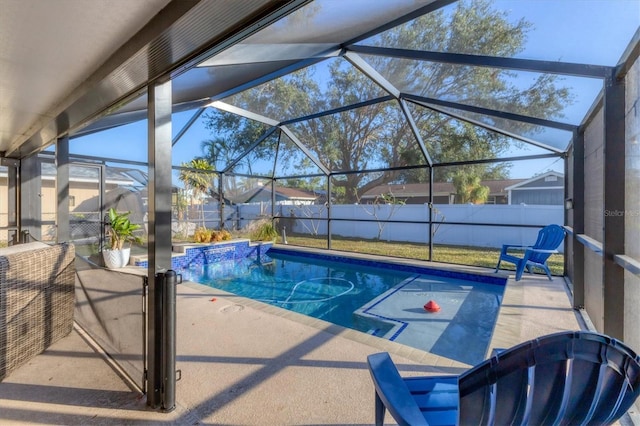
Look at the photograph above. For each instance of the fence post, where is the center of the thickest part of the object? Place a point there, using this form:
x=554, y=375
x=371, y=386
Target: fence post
x=15, y=239
x=163, y=382
x=169, y=341
x=154, y=375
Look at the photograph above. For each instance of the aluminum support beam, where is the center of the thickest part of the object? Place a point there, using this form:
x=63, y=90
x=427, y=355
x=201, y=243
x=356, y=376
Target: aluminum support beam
x=273, y=201
x=305, y=150
x=551, y=67
x=614, y=205
x=243, y=113
x=276, y=157
x=258, y=141
x=167, y=281
x=629, y=56
x=492, y=112
x=577, y=201
x=188, y=125
x=267, y=77
x=489, y=127
x=498, y=160
x=431, y=7
x=62, y=162
x=159, y=247
x=221, y=200
x=415, y=131
x=338, y=110
x=329, y=211
x=629, y=264
x=102, y=172
x=431, y=177
x=12, y=190
x=370, y=72
x=30, y=208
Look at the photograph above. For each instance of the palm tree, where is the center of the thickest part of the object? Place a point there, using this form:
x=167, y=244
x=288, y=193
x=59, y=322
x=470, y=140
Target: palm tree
x=197, y=176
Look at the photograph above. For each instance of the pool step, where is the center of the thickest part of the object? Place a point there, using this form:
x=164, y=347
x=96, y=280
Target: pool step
x=382, y=321
x=468, y=314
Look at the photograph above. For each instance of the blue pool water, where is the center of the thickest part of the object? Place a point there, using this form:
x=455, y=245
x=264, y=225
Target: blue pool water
x=378, y=300
x=322, y=289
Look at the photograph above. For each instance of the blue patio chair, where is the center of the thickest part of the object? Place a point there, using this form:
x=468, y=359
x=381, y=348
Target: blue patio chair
x=574, y=377
x=549, y=238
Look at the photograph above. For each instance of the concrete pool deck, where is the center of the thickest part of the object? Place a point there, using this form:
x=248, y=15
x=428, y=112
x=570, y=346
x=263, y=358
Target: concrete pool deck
x=246, y=363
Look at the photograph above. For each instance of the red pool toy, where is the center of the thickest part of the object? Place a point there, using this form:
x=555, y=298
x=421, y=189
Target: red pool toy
x=431, y=306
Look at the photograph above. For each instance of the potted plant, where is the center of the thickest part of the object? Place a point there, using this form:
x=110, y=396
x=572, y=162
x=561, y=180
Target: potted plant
x=120, y=231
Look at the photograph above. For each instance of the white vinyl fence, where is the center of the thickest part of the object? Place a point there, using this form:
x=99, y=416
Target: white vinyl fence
x=467, y=235
x=350, y=221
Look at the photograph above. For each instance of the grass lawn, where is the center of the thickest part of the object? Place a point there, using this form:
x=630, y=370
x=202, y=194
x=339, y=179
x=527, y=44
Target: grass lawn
x=463, y=255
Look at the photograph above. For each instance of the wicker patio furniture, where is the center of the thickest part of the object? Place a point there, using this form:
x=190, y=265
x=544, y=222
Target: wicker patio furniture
x=36, y=300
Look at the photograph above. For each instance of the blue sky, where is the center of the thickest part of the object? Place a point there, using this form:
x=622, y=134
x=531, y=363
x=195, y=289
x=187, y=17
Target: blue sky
x=583, y=31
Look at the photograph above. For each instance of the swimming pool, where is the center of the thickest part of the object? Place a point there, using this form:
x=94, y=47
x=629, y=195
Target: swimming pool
x=384, y=300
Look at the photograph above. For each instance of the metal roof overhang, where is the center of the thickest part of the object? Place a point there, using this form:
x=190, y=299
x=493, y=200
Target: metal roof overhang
x=259, y=59
x=172, y=41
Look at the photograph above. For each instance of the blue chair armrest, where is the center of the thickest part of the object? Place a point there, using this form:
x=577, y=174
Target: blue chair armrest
x=514, y=246
x=542, y=250
x=505, y=250
x=393, y=391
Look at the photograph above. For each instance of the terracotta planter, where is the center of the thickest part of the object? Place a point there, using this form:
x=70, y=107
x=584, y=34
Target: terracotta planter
x=116, y=258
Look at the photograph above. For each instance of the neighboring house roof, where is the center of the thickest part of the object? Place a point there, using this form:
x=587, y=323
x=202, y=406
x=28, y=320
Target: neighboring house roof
x=500, y=186
x=281, y=191
x=400, y=190
x=543, y=181
x=295, y=193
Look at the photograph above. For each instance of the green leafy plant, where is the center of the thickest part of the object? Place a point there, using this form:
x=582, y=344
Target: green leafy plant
x=264, y=231
x=121, y=230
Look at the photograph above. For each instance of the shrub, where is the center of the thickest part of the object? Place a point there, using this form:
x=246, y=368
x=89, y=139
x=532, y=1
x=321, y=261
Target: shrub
x=202, y=235
x=216, y=236
x=264, y=230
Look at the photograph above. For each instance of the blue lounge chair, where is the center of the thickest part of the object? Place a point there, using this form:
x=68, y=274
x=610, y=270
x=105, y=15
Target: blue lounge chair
x=549, y=238
x=573, y=377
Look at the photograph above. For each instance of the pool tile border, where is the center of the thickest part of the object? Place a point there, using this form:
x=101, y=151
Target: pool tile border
x=497, y=278
x=189, y=255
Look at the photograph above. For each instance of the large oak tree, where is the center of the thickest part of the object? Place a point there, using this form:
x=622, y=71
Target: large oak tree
x=378, y=135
